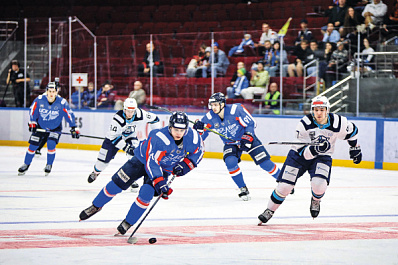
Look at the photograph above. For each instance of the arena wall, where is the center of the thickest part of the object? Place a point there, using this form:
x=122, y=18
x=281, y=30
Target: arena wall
x=377, y=137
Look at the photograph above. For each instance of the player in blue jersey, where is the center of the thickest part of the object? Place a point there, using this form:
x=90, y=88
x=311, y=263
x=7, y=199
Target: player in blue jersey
x=174, y=149
x=46, y=114
x=122, y=134
x=325, y=129
x=235, y=122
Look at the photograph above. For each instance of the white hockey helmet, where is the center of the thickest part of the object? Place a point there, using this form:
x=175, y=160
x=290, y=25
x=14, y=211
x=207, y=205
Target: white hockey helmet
x=320, y=101
x=130, y=103
x=52, y=85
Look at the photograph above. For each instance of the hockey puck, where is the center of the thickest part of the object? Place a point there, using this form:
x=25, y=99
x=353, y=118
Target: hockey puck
x=152, y=240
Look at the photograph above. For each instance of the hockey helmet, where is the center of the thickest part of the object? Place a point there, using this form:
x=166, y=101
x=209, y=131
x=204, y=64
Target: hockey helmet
x=320, y=101
x=178, y=120
x=130, y=103
x=52, y=85
x=217, y=97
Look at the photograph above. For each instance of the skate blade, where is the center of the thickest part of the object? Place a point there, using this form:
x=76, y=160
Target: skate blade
x=132, y=240
x=134, y=190
x=21, y=174
x=245, y=198
x=46, y=174
x=260, y=223
x=119, y=235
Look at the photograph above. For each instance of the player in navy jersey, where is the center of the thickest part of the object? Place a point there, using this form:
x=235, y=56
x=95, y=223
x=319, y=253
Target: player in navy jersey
x=175, y=149
x=325, y=129
x=122, y=134
x=46, y=114
x=235, y=122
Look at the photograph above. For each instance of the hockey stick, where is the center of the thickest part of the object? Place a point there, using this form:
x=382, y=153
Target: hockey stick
x=132, y=239
x=294, y=143
x=82, y=135
x=169, y=111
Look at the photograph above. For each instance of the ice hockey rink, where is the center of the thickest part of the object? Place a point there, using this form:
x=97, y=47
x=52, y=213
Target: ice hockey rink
x=203, y=222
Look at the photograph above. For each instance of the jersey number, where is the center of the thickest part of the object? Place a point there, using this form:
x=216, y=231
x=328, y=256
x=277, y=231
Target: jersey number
x=113, y=128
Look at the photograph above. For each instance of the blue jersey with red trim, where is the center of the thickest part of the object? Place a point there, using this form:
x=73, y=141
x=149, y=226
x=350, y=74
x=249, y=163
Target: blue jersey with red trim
x=237, y=120
x=49, y=115
x=159, y=152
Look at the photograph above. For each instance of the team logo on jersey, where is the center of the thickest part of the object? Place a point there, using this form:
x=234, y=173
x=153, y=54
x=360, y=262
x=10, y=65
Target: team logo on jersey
x=41, y=106
x=217, y=125
x=48, y=115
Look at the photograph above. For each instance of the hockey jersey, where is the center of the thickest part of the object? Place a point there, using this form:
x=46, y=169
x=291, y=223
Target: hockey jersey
x=159, y=152
x=49, y=115
x=338, y=127
x=122, y=130
x=237, y=120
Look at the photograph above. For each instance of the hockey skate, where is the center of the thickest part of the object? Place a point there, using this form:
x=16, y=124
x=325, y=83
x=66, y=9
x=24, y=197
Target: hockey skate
x=265, y=216
x=134, y=187
x=244, y=194
x=22, y=170
x=90, y=211
x=93, y=176
x=123, y=227
x=315, y=207
x=47, y=169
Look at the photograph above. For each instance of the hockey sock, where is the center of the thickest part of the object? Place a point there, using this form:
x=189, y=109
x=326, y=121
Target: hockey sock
x=30, y=153
x=271, y=168
x=234, y=171
x=318, y=187
x=50, y=151
x=106, y=194
x=276, y=200
x=100, y=166
x=141, y=204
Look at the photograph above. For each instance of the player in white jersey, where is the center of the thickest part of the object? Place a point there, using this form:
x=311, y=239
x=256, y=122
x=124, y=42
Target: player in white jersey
x=122, y=134
x=318, y=127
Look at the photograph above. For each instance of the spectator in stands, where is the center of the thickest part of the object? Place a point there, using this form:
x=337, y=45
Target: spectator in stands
x=302, y=52
x=351, y=21
x=268, y=34
x=89, y=97
x=75, y=97
x=138, y=94
x=317, y=54
x=240, y=65
x=267, y=56
x=220, y=62
x=197, y=61
x=107, y=96
x=374, y=13
x=337, y=63
x=240, y=84
x=273, y=94
x=259, y=83
x=277, y=60
x=304, y=33
x=246, y=41
x=331, y=35
x=201, y=70
x=144, y=67
x=16, y=76
x=336, y=15
x=367, y=58
x=390, y=22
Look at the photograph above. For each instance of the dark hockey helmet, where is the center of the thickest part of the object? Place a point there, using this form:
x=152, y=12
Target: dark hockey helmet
x=52, y=85
x=178, y=120
x=217, y=97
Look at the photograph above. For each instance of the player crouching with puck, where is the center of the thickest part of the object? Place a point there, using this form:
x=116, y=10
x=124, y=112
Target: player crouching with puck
x=175, y=149
x=325, y=129
x=46, y=114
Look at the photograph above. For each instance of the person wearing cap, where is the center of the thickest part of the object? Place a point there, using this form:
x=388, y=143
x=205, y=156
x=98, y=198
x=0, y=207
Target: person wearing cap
x=246, y=41
x=17, y=77
x=304, y=33
x=220, y=62
x=240, y=65
x=241, y=83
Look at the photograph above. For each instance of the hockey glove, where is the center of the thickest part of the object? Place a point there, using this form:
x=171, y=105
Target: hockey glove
x=246, y=142
x=129, y=149
x=199, y=126
x=32, y=126
x=183, y=167
x=356, y=154
x=162, y=188
x=75, y=132
x=323, y=147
